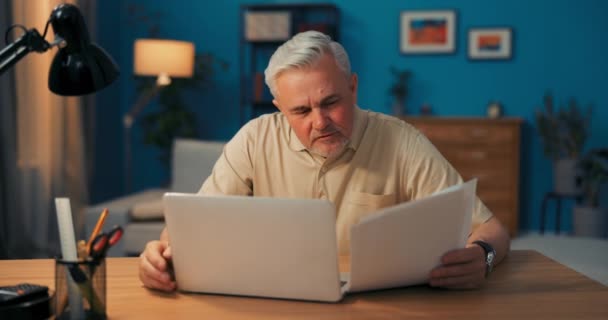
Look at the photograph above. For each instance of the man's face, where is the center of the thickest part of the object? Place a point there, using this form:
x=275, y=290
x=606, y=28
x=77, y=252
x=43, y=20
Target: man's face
x=319, y=105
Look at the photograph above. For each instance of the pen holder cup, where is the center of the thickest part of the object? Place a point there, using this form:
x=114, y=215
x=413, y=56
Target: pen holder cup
x=80, y=289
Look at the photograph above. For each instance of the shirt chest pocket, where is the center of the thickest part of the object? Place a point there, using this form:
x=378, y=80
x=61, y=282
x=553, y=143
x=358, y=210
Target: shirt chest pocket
x=359, y=203
x=354, y=207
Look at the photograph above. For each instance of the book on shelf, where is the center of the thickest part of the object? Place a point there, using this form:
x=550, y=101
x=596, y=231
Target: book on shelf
x=258, y=87
x=321, y=27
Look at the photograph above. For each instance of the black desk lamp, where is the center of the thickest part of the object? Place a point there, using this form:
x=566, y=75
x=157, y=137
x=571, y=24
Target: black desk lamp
x=79, y=67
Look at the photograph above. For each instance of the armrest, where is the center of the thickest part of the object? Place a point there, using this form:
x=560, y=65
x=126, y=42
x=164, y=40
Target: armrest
x=126, y=202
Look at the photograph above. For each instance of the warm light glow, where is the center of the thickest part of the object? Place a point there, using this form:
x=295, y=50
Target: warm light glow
x=172, y=58
x=163, y=79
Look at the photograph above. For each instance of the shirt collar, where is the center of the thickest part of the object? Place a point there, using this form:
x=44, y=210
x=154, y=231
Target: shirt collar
x=294, y=143
x=359, y=126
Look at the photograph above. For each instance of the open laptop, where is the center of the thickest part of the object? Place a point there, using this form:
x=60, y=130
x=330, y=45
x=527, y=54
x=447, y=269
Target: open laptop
x=254, y=246
x=286, y=248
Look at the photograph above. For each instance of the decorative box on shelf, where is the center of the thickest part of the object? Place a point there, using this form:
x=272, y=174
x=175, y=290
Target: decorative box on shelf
x=267, y=25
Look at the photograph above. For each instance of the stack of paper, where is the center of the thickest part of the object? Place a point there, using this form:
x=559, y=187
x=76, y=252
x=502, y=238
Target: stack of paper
x=400, y=245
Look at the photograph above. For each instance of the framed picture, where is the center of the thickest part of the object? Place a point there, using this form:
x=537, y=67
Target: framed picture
x=428, y=32
x=267, y=25
x=490, y=43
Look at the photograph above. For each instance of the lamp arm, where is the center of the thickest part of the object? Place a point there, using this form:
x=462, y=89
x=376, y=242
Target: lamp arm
x=30, y=41
x=127, y=122
x=139, y=105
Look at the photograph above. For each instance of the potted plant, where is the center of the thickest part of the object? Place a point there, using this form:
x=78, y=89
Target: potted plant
x=589, y=219
x=563, y=133
x=174, y=118
x=399, y=90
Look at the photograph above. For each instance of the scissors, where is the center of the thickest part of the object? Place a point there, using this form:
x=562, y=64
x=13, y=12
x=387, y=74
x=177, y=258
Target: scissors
x=104, y=241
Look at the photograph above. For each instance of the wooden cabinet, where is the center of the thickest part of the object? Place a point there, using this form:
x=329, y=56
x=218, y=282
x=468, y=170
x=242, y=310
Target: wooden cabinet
x=486, y=149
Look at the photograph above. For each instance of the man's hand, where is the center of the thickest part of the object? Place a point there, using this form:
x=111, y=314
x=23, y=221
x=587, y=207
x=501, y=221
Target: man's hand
x=154, y=266
x=461, y=269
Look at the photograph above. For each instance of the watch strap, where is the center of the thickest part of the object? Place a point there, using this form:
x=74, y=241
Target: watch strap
x=490, y=254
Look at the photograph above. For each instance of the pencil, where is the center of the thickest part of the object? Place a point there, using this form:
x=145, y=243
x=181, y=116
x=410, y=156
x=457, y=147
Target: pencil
x=98, y=226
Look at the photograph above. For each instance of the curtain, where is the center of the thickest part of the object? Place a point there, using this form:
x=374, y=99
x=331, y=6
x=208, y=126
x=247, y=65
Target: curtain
x=88, y=8
x=8, y=176
x=50, y=153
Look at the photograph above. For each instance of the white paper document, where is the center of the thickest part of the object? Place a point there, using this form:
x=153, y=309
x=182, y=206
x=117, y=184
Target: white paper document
x=400, y=245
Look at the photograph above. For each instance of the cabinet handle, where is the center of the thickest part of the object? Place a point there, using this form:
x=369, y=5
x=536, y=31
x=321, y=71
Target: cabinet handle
x=478, y=132
x=478, y=155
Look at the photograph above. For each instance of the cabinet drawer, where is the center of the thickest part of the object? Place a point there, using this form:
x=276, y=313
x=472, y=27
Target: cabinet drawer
x=485, y=149
x=495, y=199
x=476, y=155
x=507, y=217
x=453, y=133
x=487, y=178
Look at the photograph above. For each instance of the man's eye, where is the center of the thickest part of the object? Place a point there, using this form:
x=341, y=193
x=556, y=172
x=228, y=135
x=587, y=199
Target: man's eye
x=300, y=111
x=330, y=102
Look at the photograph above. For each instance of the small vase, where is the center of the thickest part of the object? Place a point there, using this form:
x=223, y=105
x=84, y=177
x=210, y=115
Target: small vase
x=566, y=177
x=590, y=221
x=398, y=109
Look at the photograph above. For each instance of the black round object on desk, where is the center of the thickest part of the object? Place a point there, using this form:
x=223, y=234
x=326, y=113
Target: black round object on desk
x=37, y=308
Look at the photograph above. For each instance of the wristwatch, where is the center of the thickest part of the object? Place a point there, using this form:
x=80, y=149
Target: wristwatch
x=490, y=255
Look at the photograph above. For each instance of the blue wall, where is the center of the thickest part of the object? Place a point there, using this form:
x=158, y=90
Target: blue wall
x=558, y=45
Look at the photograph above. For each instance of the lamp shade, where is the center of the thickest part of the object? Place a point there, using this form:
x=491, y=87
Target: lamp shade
x=80, y=67
x=153, y=57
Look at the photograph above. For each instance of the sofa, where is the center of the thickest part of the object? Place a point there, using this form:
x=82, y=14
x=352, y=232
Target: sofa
x=141, y=213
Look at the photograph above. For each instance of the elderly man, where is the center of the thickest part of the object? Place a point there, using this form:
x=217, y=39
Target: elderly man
x=322, y=145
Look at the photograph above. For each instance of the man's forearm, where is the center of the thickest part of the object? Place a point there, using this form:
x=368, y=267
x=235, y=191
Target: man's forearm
x=494, y=233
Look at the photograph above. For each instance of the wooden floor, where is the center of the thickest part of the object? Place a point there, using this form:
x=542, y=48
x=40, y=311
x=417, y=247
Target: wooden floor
x=588, y=256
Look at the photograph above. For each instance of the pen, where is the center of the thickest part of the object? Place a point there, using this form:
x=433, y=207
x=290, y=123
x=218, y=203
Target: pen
x=98, y=226
x=81, y=249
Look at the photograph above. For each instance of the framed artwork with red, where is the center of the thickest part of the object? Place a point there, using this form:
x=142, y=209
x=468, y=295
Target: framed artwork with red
x=490, y=43
x=428, y=32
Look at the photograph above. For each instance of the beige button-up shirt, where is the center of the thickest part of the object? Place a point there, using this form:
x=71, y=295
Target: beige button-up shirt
x=386, y=162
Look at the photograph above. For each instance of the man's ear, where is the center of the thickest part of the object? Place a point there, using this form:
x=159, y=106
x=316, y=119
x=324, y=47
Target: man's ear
x=276, y=104
x=354, y=82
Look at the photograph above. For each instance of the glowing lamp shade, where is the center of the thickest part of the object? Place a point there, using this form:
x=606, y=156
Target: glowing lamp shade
x=154, y=57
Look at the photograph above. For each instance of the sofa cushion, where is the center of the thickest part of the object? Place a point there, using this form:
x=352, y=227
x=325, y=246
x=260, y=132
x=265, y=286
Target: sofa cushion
x=147, y=210
x=192, y=163
x=138, y=234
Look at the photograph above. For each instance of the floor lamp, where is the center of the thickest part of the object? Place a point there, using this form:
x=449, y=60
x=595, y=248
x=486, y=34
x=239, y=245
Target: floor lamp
x=163, y=59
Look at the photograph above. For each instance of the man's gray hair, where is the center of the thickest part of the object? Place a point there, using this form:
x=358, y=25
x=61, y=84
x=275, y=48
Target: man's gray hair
x=303, y=51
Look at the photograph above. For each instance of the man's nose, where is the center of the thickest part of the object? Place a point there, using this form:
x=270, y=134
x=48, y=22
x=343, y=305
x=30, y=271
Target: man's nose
x=320, y=118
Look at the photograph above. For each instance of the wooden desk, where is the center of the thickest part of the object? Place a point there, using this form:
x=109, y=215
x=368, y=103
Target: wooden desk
x=527, y=285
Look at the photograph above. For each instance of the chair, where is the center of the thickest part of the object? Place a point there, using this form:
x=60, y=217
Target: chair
x=141, y=213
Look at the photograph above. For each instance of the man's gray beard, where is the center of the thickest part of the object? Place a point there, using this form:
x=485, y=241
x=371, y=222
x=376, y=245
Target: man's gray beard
x=335, y=153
